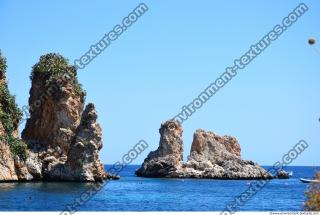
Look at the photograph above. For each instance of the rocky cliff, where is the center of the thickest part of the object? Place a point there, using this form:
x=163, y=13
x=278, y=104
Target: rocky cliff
x=11, y=148
x=211, y=156
x=7, y=168
x=63, y=139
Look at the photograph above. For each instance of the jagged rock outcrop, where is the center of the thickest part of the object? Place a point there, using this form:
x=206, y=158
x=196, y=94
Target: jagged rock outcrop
x=211, y=156
x=82, y=162
x=169, y=156
x=63, y=140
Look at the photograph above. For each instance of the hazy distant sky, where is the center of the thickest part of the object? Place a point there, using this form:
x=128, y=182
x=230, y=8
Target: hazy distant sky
x=168, y=57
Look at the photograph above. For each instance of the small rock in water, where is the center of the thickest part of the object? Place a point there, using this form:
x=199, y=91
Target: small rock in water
x=281, y=174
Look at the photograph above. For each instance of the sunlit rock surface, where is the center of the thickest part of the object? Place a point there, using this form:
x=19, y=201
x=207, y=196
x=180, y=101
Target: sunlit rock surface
x=211, y=156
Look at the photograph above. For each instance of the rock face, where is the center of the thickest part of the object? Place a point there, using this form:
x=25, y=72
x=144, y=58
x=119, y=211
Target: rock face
x=7, y=168
x=82, y=162
x=168, y=157
x=63, y=140
x=55, y=105
x=10, y=146
x=211, y=156
x=218, y=157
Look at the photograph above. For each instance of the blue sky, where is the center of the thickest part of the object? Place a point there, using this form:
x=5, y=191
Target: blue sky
x=167, y=58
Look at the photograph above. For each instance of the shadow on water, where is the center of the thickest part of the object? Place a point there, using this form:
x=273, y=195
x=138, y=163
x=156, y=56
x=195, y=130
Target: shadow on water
x=48, y=187
x=8, y=186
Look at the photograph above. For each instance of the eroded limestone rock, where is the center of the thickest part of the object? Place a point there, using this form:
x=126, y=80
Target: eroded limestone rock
x=169, y=156
x=64, y=140
x=7, y=168
x=211, y=156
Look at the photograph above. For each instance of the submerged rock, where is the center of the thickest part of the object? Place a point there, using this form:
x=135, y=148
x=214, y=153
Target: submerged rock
x=211, y=156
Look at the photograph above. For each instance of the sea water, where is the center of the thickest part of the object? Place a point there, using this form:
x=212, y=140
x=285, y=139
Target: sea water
x=132, y=193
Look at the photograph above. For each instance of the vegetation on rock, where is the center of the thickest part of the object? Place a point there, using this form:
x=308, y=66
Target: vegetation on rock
x=10, y=114
x=17, y=147
x=3, y=66
x=54, y=66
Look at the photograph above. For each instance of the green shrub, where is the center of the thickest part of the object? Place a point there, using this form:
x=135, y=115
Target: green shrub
x=313, y=196
x=8, y=106
x=6, y=122
x=53, y=66
x=86, y=142
x=80, y=163
x=10, y=115
x=3, y=66
x=17, y=147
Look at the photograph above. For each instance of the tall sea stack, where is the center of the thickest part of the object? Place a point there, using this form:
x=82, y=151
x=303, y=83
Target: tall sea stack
x=64, y=139
x=169, y=156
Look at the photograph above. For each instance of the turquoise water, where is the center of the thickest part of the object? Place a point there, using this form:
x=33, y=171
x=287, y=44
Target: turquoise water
x=144, y=194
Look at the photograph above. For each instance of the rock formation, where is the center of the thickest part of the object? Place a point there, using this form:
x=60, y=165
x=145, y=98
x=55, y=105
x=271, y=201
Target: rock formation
x=169, y=156
x=64, y=141
x=211, y=156
x=7, y=168
x=218, y=157
x=282, y=174
x=82, y=162
x=61, y=140
x=11, y=148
